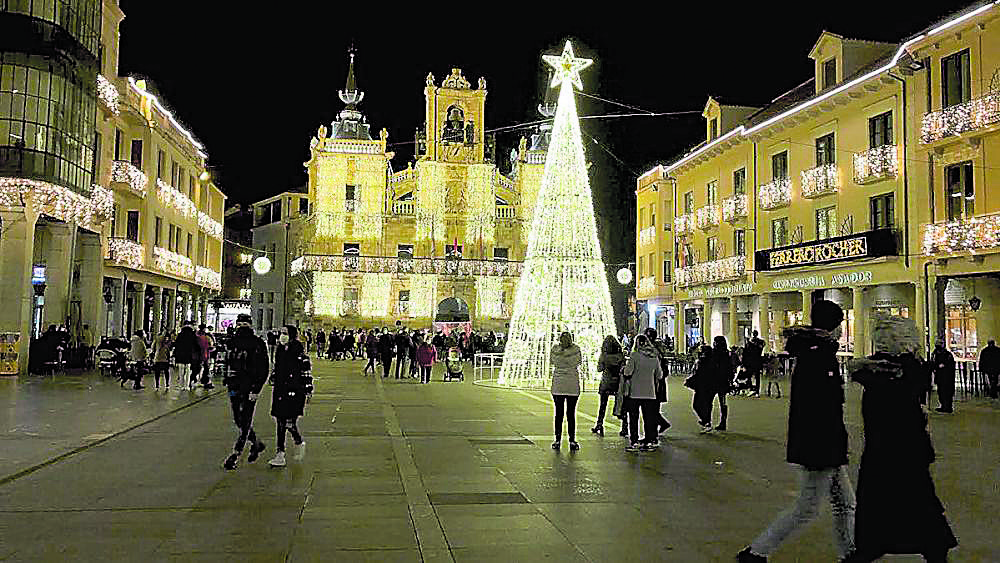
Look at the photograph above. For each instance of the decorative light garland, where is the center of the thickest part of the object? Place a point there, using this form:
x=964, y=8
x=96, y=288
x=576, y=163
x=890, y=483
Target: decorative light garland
x=172, y=263
x=174, y=199
x=489, y=297
x=819, y=181
x=108, y=94
x=430, y=205
x=56, y=201
x=208, y=278
x=684, y=223
x=392, y=264
x=876, y=164
x=211, y=227
x=170, y=117
x=564, y=286
x=124, y=172
x=423, y=295
x=402, y=208
x=961, y=118
x=723, y=269
x=375, y=295
x=125, y=252
x=103, y=201
x=328, y=293
x=975, y=233
x=708, y=216
x=735, y=207
x=647, y=235
x=775, y=194
x=480, y=214
x=646, y=286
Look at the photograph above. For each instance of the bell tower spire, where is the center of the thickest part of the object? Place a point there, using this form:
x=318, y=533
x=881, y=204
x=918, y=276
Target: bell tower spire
x=350, y=123
x=350, y=95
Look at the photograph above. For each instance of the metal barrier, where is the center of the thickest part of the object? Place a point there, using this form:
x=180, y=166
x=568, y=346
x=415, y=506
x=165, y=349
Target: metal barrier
x=486, y=371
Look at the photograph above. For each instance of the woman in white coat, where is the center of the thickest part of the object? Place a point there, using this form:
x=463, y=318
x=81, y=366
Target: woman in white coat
x=565, y=359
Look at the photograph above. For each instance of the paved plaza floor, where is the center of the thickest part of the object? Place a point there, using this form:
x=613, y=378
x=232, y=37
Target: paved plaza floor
x=398, y=471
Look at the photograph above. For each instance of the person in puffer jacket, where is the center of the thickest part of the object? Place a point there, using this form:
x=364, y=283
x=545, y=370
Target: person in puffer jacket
x=641, y=375
x=565, y=359
x=817, y=438
x=610, y=365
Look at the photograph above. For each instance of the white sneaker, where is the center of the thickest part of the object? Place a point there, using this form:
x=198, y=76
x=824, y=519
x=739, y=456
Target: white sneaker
x=706, y=429
x=279, y=460
x=300, y=452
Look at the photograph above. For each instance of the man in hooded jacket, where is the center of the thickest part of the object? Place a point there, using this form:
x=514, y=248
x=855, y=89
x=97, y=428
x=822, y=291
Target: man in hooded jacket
x=249, y=368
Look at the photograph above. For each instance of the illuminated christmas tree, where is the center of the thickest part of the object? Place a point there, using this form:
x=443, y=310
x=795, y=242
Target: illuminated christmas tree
x=563, y=284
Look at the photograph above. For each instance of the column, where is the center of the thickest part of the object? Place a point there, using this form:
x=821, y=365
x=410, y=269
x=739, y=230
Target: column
x=807, y=306
x=680, y=341
x=139, y=316
x=860, y=322
x=17, y=246
x=763, y=326
x=734, y=325
x=706, y=328
x=57, y=255
x=90, y=286
x=172, y=309
x=157, y=323
x=919, y=317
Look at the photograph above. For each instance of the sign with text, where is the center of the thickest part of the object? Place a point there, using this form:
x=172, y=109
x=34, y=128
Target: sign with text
x=871, y=244
x=8, y=352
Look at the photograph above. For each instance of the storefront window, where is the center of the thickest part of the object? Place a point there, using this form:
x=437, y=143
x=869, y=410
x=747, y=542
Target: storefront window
x=961, y=329
x=847, y=332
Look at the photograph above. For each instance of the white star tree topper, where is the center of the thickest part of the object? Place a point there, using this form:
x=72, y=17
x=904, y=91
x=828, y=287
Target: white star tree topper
x=567, y=67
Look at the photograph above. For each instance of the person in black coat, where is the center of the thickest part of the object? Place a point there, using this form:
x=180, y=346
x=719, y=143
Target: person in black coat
x=817, y=437
x=898, y=510
x=248, y=369
x=187, y=351
x=403, y=345
x=610, y=364
x=288, y=397
x=722, y=379
x=349, y=345
x=320, y=343
x=753, y=354
x=703, y=381
x=989, y=364
x=386, y=350
x=943, y=367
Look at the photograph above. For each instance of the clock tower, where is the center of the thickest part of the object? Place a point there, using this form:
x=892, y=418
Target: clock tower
x=454, y=120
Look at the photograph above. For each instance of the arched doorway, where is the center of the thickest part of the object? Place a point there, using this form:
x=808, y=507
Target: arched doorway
x=451, y=316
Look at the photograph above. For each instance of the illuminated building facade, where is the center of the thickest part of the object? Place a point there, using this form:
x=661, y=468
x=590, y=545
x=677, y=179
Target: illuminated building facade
x=866, y=185
x=442, y=239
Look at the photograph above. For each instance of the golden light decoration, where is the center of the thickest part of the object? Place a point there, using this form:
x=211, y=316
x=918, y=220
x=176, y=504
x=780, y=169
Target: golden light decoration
x=423, y=295
x=124, y=172
x=208, y=278
x=876, y=164
x=125, y=252
x=567, y=67
x=976, y=233
x=646, y=286
x=172, y=263
x=489, y=297
x=684, y=223
x=708, y=216
x=262, y=265
x=647, y=235
x=714, y=271
x=56, y=201
x=624, y=276
x=375, y=295
x=172, y=198
x=328, y=293
x=107, y=93
x=211, y=227
x=430, y=203
x=819, y=181
x=775, y=194
x=480, y=214
x=735, y=207
x=960, y=118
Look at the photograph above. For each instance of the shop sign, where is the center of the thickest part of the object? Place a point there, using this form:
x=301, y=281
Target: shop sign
x=871, y=244
x=8, y=352
x=836, y=280
x=736, y=289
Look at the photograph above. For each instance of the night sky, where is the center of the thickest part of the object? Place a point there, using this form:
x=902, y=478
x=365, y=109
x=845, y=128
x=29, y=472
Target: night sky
x=254, y=85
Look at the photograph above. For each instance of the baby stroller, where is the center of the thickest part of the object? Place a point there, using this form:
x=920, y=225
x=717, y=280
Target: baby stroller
x=111, y=356
x=453, y=365
x=743, y=383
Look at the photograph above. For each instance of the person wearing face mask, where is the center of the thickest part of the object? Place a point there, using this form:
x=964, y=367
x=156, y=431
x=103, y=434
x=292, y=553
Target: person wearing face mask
x=288, y=398
x=248, y=370
x=817, y=438
x=565, y=359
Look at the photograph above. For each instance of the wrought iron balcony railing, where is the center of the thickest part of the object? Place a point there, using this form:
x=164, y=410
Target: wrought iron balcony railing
x=714, y=271
x=127, y=175
x=708, y=216
x=968, y=235
x=126, y=252
x=876, y=164
x=734, y=208
x=819, y=181
x=961, y=118
x=777, y=193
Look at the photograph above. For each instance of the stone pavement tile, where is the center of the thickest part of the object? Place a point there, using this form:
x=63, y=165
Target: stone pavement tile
x=650, y=548
x=225, y=556
x=358, y=533
x=394, y=509
x=501, y=530
x=348, y=486
x=308, y=554
x=358, y=500
x=453, y=511
x=558, y=552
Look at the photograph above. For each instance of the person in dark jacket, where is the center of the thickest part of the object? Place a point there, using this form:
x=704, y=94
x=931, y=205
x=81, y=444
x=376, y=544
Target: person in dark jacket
x=288, y=398
x=753, y=354
x=610, y=364
x=661, y=387
x=187, y=351
x=349, y=342
x=722, y=378
x=943, y=367
x=989, y=364
x=403, y=345
x=817, y=438
x=248, y=369
x=898, y=510
x=415, y=340
x=702, y=380
x=335, y=349
x=386, y=350
x=320, y=343
x=371, y=350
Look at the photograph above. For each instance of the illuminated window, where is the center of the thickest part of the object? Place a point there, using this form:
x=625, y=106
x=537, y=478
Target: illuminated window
x=961, y=191
x=826, y=222
x=779, y=232
x=712, y=193
x=825, y=153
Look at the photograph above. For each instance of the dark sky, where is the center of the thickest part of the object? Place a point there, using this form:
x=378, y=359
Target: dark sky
x=253, y=85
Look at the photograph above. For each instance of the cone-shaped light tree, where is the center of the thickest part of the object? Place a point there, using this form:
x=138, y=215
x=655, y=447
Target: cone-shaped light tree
x=563, y=284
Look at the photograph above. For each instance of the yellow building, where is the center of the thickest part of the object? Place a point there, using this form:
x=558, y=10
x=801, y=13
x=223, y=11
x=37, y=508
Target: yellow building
x=822, y=194
x=443, y=239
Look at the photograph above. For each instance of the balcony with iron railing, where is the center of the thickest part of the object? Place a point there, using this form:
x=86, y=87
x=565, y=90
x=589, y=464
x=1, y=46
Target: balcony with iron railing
x=125, y=175
x=403, y=208
x=820, y=181
x=126, y=252
x=876, y=164
x=980, y=114
x=723, y=269
x=211, y=227
x=735, y=208
x=972, y=235
x=506, y=212
x=172, y=262
x=395, y=265
x=107, y=94
x=174, y=199
x=647, y=236
x=684, y=224
x=646, y=286
x=207, y=277
x=708, y=216
x=775, y=194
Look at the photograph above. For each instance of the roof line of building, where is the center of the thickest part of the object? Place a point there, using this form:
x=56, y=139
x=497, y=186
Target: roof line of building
x=170, y=117
x=743, y=130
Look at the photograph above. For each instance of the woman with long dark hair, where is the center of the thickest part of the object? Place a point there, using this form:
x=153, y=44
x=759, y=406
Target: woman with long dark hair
x=610, y=365
x=565, y=359
x=722, y=380
x=288, y=397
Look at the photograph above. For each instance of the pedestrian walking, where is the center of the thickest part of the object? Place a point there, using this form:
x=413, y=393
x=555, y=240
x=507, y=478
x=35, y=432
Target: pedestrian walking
x=371, y=350
x=426, y=356
x=386, y=350
x=309, y=340
x=186, y=353
x=642, y=371
x=205, y=346
x=753, y=354
x=349, y=345
x=817, y=438
x=662, y=424
x=943, y=366
x=722, y=380
x=898, y=511
x=610, y=365
x=248, y=370
x=320, y=343
x=161, y=358
x=703, y=382
x=403, y=345
x=565, y=359
x=415, y=340
x=989, y=363
x=288, y=396
x=138, y=354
